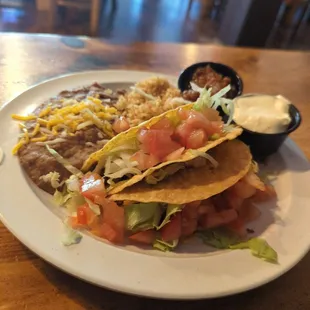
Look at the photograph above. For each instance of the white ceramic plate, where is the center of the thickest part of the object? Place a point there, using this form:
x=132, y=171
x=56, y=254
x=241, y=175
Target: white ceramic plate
x=196, y=271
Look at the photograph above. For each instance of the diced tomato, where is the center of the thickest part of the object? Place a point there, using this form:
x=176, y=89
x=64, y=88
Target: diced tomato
x=113, y=215
x=211, y=114
x=172, y=230
x=243, y=189
x=218, y=219
x=254, y=180
x=237, y=227
x=182, y=133
x=183, y=114
x=196, y=139
x=146, y=237
x=164, y=124
x=73, y=222
x=145, y=161
x=85, y=217
x=268, y=193
x=248, y=212
x=92, y=185
x=176, y=154
x=81, y=215
x=107, y=232
x=190, y=218
x=198, y=121
x=120, y=124
x=233, y=200
x=157, y=143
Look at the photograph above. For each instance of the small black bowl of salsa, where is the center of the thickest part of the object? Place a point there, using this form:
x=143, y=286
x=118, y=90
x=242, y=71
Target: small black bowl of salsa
x=210, y=75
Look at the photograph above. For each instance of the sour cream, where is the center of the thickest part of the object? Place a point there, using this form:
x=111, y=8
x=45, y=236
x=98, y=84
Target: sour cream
x=262, y=113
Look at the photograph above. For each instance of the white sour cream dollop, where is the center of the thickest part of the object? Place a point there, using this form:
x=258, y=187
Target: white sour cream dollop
x=262, y=113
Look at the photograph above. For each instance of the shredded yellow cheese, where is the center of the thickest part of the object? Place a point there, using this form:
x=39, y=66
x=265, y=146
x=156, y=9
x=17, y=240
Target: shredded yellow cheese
x=40, y=139
x=18, y=146
x=35, y=130
x=72, y=116
x=23, y=118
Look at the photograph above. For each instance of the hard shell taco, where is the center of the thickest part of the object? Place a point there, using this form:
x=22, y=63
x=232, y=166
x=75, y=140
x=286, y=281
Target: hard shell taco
x=153, y=147
x=214, y=202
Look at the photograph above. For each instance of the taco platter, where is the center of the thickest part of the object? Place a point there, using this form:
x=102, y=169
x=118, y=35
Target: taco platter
x=163, y=173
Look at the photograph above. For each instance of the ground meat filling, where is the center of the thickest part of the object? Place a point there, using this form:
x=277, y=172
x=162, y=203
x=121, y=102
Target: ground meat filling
x=35, y=158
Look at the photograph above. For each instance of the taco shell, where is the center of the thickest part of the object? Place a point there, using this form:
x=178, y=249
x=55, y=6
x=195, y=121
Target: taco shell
x=234, y=159
x=130, y=135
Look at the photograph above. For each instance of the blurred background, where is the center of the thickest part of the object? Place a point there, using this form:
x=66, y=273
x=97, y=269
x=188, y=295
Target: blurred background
x=281, y=24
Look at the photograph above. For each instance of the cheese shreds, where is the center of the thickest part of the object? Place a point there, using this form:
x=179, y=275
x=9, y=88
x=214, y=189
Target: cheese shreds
x=71, y=117
x=26, y=135
x=45, y=111
x=41, y=139
x=23, y=118
x=18, y=146
x=35, y=130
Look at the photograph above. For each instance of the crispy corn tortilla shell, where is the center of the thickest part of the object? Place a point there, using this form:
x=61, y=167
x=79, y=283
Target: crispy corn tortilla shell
x=131, y=134
x=188, y=185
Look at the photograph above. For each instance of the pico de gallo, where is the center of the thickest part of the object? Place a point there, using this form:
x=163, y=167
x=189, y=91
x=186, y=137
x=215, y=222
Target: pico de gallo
x=164, y=225
x=189, y=128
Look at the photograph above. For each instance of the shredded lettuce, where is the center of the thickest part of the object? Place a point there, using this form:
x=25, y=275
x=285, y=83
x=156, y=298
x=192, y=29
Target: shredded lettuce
x=53, y=178
x=143, y=93
x=94, y=207
x=64, y=162
x=206, y=156
x=205, y=100
x=165, y=246
x=70, y=236
x=223, y=240
x=170, y=210
x=156, y=177
x=259, y=248
x=161, y=174
x=73, y=184
x=142, y=216
x=61, y=199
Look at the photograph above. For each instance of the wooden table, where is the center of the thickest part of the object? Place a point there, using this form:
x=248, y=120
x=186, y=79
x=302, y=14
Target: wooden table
x=26, y=281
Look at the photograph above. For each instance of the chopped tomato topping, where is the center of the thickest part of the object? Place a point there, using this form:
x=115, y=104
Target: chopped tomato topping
x=146, y=237
x=92, y=185
x=81, y=215
x=145, y=161
x=165, y=125
x=218, y=219
x=268, y=193
x=172, y=230
x=196, y=139
x=176, y=154
x=157, y=142
x=237, y=226
x=113, y=215
x=120, y=125
x=190, y=218
x=182, y=133
x=183, y=114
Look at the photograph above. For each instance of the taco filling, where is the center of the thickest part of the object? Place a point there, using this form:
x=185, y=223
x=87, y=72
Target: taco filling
x=215, y=204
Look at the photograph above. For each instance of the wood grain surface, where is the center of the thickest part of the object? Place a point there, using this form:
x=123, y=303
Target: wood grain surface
x=26, y=281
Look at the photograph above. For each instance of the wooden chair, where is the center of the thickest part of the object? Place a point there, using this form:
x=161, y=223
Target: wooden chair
x=51, y=7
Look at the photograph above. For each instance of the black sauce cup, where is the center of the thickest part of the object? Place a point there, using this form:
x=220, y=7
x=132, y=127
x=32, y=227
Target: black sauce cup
x=236, y=82
x=263, y=145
